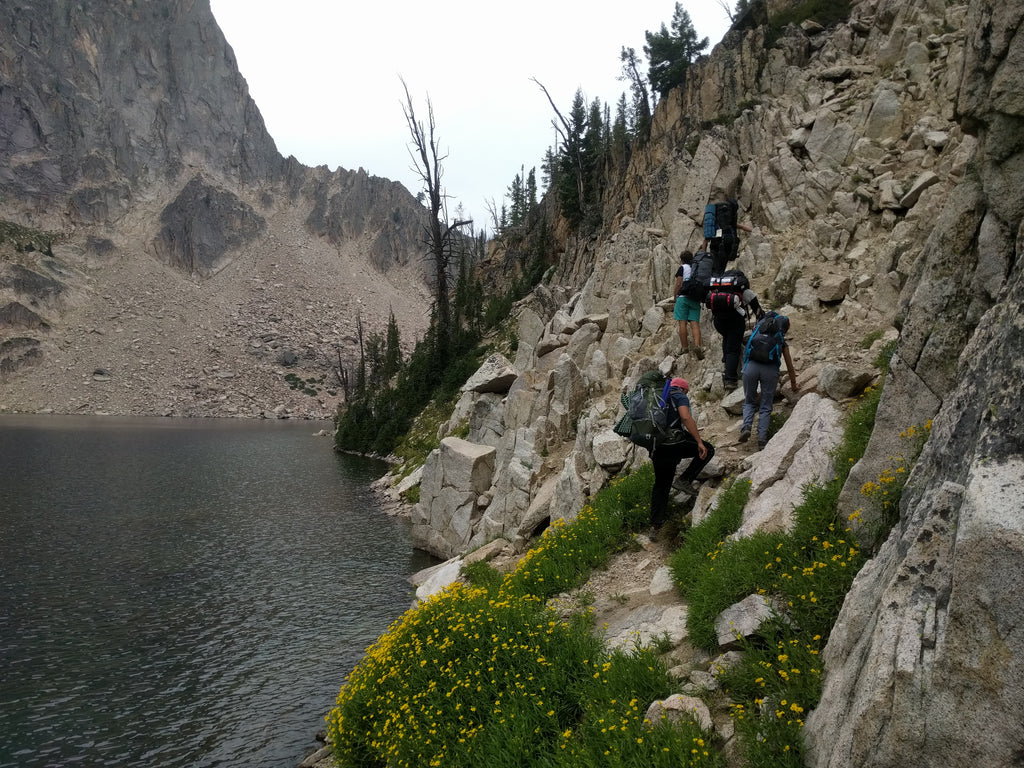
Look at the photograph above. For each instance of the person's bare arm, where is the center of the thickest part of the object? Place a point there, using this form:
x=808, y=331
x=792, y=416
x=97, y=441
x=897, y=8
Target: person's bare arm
x=679, y=283
x=790, y=367
x=691, y=426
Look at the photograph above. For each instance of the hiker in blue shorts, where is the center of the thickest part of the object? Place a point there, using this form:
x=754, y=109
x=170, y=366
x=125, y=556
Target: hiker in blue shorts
x=687, y=308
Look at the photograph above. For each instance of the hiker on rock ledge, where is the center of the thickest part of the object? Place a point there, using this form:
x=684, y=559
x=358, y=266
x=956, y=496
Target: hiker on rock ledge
x=666, y=458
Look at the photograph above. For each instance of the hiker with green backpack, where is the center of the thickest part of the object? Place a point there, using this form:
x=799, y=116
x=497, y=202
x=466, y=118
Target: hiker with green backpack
x=666, y=458
x=658, y=418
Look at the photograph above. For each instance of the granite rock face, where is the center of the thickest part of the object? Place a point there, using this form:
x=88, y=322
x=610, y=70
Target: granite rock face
x=99, y=99
x=202, y=225
x=880, y=164
x=924, y=666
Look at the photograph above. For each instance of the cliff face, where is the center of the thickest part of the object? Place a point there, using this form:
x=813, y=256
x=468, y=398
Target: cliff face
x=924, y=666
x=880, y=165
x=101, y=99
x=129, y=139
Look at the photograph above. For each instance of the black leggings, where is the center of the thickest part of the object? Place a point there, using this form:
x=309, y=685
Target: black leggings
x=731, y=326
x=665, y=460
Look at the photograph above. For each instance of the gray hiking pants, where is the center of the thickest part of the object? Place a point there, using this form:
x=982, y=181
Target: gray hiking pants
x=765, y=376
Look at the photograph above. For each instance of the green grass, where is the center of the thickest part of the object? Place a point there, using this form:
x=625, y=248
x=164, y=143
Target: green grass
x=871, y=338
x=566, y=553
x=421, y=439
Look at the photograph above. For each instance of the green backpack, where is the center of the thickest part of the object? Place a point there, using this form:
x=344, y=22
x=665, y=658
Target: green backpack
x=650, y=419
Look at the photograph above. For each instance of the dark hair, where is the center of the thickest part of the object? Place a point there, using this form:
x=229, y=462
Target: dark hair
x=686, y=257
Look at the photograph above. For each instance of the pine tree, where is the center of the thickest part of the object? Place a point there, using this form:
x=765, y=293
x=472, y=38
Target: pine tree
x=571, y=164
x=620, y=134
x=392, y=350
x=531, y=189
x=515, y=195
x=670, y=52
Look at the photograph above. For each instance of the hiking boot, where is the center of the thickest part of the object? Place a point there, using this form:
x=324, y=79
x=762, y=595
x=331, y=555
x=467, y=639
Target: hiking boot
x=730, y=384
x=685, y=486
x=698, y=352
x=761, y=444
x=744, y=434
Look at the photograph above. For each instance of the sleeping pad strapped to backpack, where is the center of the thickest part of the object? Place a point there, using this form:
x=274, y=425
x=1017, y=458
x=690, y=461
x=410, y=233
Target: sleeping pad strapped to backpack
x=725, y=291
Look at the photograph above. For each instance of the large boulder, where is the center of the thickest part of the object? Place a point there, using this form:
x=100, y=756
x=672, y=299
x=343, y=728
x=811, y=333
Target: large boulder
x=799, y=454
x=496, y=374
x=454, y=478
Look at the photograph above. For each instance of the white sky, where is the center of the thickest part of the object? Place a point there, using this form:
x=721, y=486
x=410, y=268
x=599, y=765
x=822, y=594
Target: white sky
x=325, y=76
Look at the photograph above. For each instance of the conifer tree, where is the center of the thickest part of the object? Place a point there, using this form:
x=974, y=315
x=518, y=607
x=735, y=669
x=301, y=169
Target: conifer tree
x=620, y=132
x=670, y=52
x=531, y=190
x=573, y=165
x=392, y=349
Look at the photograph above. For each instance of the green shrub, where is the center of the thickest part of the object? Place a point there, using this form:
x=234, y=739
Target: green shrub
x=826, y=12
x=412, y=495
x=27, y=239
x=871, y=338
x=884, y=356
x=566, y=553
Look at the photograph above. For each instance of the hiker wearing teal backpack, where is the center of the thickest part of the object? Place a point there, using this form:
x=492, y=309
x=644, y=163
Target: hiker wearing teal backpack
x=762, y=361
x=666, y=458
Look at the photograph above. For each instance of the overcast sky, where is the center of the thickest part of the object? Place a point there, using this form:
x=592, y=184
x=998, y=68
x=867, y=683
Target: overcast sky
x=325, y=75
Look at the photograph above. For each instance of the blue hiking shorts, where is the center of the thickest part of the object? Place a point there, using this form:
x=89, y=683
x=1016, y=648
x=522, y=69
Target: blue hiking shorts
x=686, y=309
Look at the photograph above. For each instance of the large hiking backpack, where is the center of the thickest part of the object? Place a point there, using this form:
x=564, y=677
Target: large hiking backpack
x=710, y=225
x=726, y=242
x=696, y=286
x=725, y=217
x=725, y=291
x=652, y=420
x=767, y=339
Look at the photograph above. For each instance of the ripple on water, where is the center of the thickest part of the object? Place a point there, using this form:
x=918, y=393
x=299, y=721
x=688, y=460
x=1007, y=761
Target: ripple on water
x=183, y=594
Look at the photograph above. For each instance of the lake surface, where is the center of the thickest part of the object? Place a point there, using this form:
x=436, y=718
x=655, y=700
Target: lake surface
x=184, y=592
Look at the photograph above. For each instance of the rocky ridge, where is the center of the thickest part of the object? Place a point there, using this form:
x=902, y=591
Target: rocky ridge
x=128, y=335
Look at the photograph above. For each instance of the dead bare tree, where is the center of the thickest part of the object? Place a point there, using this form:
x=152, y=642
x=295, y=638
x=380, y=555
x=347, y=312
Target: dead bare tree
x=337, y=368
x=495, y=214
x=427, y=159
x=572, y=147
